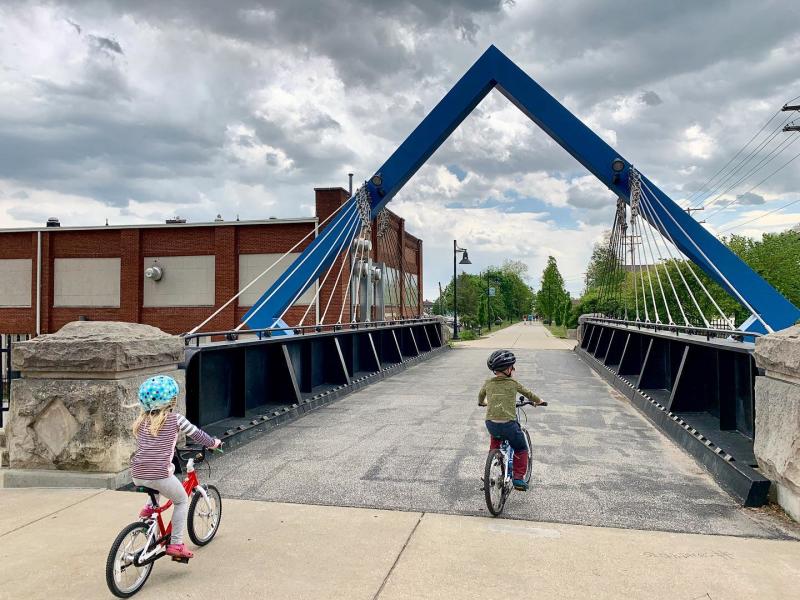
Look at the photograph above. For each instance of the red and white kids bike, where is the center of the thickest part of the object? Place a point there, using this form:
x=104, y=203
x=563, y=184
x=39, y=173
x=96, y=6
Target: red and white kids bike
x=140, y=544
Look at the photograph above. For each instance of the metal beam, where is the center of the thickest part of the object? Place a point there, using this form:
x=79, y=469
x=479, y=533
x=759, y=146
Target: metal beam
x=494, y=69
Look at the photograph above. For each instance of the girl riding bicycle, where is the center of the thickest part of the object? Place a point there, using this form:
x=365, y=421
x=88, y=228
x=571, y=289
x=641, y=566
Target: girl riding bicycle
x=156, y=430
x=499, y=393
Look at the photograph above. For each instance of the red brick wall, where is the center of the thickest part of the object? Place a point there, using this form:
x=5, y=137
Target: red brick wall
x=225, y=241
x=16, y=246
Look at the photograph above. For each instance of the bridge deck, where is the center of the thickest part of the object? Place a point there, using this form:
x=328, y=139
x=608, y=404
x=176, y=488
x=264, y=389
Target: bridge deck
x=416, y=441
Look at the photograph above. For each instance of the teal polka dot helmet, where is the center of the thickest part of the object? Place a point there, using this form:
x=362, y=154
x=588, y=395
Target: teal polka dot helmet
x=157, y=392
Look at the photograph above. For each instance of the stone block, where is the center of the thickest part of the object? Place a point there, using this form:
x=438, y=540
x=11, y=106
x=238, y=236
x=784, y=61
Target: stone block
x=777, y=439
x=447, y=333
x=76, y=425
x=97, y=349
x=779, y=352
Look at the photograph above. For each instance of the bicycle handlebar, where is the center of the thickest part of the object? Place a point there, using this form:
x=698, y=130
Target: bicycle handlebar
x=523, y=401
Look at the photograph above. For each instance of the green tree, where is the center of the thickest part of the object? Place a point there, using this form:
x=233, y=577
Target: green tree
x=551, y=295
x=626, y=292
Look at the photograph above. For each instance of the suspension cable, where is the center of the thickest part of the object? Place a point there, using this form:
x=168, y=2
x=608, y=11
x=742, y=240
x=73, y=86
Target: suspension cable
x=311, y=277
x=645, y=211
x=338, y=276
x=713, y=266
x=676, y=261
x=658, y=277
x=349, y=292
x=268, y=269
x=348, y=239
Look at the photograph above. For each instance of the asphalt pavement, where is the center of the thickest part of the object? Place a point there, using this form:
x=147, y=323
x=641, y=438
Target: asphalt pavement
x=417, y=442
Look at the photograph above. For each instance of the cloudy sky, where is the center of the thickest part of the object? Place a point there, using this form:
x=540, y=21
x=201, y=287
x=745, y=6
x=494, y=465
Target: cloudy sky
x=137, y=111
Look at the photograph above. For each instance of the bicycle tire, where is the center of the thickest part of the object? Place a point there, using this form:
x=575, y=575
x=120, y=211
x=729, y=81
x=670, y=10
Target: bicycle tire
x=494, y=481
x=529, y=467
x=198, y=501
x=111, y=563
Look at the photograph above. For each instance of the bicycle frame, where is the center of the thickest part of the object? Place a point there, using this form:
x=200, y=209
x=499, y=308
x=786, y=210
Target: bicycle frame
x=158, y=534
x=508, y=451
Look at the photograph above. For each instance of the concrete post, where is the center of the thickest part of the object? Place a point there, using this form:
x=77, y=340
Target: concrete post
x=69, y=421
x=777, y=435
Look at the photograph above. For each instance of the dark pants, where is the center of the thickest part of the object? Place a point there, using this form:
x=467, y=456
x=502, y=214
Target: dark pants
x=512, y=432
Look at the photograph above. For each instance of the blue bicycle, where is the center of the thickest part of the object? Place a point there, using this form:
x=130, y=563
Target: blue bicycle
x=497, y=480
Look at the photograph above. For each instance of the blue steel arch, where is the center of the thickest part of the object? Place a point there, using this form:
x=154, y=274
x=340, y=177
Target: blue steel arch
x=494, y=70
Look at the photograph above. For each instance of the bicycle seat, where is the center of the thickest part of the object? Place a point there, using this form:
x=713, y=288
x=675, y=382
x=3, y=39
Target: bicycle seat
x=147, y=490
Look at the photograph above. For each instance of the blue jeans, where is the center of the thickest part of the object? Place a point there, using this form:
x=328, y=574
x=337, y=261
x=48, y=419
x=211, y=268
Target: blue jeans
x=510, y=431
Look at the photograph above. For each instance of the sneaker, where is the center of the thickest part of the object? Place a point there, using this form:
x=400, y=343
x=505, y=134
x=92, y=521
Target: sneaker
x=179, y=551
x=147, y=512
x=519, y=484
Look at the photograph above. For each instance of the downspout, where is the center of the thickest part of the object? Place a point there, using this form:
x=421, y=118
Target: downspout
x=38, y=283
x=316, y=300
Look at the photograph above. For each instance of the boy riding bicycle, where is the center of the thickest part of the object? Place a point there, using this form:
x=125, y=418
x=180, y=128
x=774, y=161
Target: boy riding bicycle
x=499, y=393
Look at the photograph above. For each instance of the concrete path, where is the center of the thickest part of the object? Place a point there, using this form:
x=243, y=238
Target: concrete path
x=291, y=551
x=417, y=442
x=533, y=336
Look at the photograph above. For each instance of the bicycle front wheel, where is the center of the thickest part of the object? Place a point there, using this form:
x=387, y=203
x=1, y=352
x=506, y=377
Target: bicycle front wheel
x=123, y=577
x=204, y=515
x=529, y=467
x=494, y=482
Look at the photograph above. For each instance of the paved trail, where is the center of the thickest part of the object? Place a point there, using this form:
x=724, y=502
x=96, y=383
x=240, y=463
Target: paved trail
x=417, y=442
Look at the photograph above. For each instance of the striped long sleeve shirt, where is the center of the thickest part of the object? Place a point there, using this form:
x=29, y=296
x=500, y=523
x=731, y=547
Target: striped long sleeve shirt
x=153, y=454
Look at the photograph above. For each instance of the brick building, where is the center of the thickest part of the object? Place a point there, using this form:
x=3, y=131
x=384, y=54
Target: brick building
x=98, y=273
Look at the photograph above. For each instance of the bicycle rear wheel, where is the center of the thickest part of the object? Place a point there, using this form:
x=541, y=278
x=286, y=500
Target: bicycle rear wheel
x=494, y=482
x=204, y=517
x=123, y=577
x=529, y=467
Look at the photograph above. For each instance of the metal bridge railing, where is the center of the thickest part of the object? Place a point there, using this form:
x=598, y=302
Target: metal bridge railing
x=6, y=374
x=234, y=335
x=707, y=332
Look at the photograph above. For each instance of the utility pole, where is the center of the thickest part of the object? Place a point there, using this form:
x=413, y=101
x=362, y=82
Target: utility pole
x=791, y=126
x=690, y=210
x=488, y=300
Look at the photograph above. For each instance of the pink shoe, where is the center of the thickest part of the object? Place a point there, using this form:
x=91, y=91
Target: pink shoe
x=146, y=512
x=179, y=551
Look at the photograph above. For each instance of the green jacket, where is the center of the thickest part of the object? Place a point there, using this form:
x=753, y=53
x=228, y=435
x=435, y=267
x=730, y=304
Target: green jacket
x=500, y=394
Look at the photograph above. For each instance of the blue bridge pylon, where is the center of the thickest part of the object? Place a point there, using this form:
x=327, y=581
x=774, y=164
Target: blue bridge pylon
x=771, y=311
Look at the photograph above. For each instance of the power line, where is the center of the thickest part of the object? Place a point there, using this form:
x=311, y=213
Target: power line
x=783, y=166
x=710, y=179
x=780, y=149
x=760, y=216
x=754, y=154
x=697, y=194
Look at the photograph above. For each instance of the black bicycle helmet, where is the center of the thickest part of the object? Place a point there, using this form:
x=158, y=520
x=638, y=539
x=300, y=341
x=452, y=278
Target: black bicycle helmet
x=500, y=360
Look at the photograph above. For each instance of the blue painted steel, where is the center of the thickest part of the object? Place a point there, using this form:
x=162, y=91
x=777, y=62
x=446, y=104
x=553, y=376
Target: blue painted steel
x=300, y=275
x=494, y=69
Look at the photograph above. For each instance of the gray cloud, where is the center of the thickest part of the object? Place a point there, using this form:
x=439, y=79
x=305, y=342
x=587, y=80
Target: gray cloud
x=749, y=199
x=105, y=44
x=171, y=102
x=651, y=98
x=74, y=25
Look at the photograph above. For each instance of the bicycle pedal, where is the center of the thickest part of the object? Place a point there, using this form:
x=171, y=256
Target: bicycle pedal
x=180, y=559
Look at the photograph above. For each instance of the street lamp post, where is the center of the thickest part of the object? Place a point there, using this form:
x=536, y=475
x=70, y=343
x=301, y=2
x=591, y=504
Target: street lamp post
x=488, y=302
x=464, y=261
